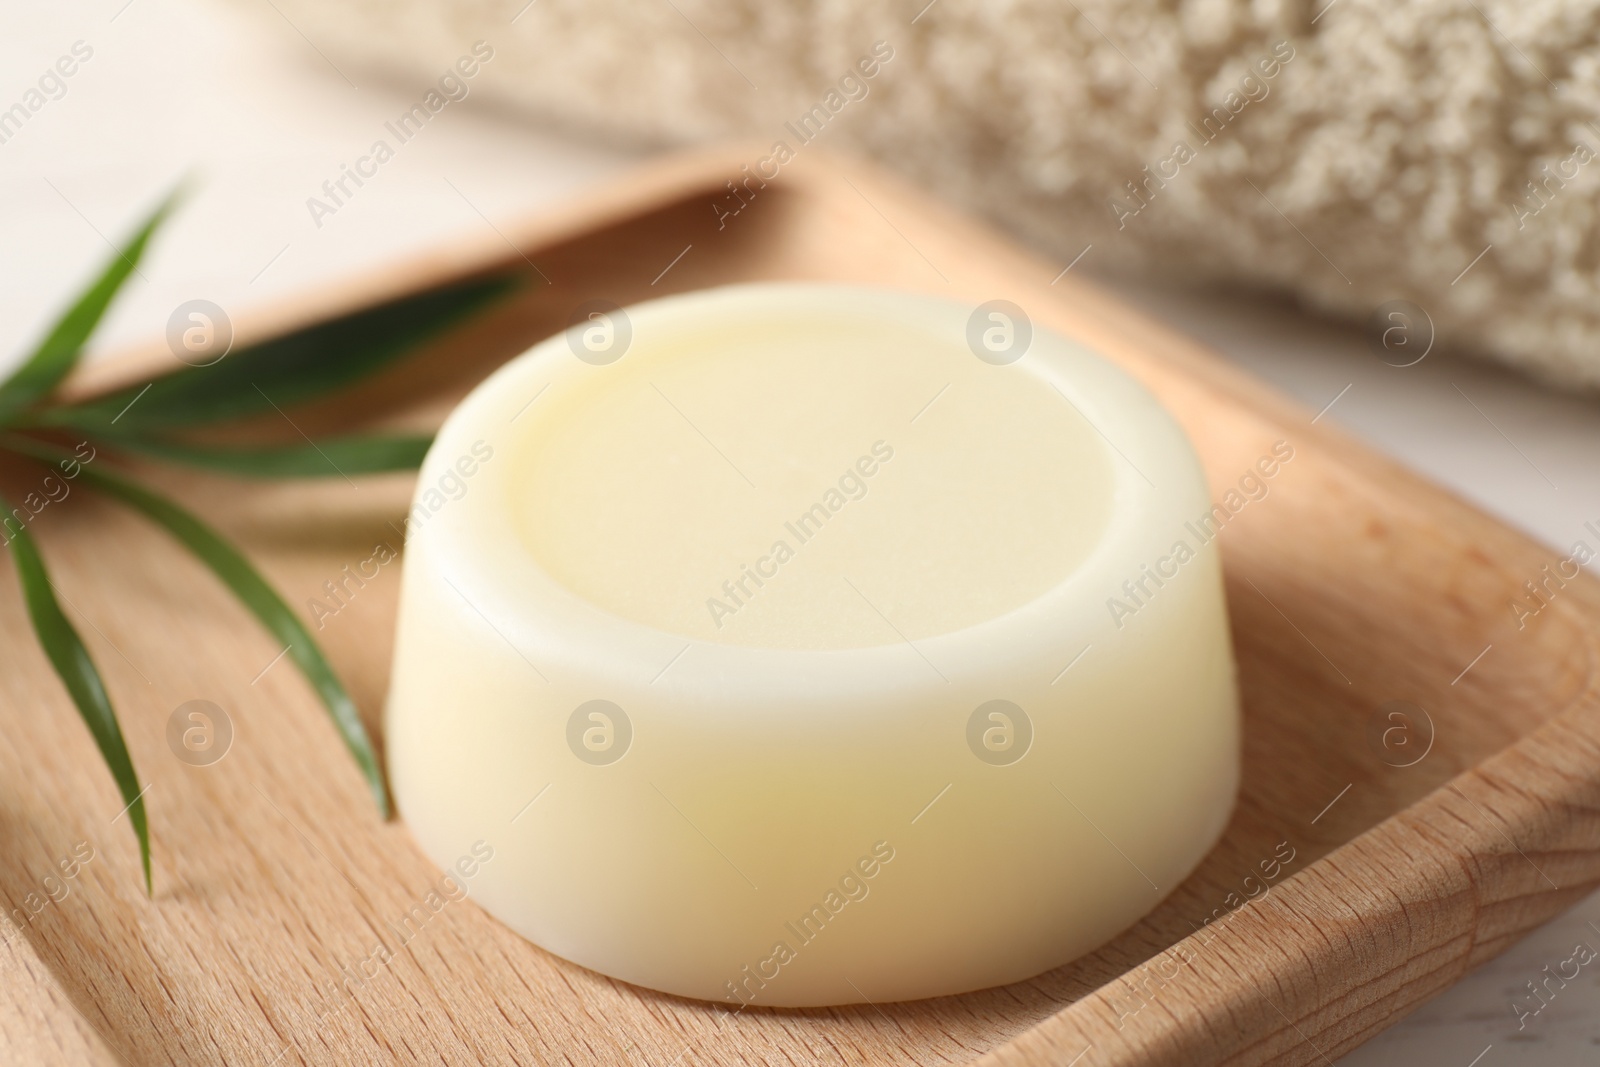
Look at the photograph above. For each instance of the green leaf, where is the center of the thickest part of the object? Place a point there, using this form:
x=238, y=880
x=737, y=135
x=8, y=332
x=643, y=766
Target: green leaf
x=58, y=353
x=252, y=590
x=285, y=371
x=70, y=658
x=332, y=458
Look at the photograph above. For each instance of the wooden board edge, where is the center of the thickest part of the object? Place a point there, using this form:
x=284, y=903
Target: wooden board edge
x=655, y=184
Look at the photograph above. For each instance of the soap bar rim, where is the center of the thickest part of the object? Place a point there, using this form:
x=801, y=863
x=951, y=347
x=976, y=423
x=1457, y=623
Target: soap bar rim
x=584, y=626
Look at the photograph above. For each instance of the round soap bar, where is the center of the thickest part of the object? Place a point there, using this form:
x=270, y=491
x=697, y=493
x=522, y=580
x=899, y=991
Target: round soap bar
x=801, y=645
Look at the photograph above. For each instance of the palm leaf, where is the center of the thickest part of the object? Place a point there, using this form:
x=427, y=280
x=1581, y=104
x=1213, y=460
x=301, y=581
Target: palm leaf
x=252, y=590
x=58, y=353
x=69, y=657
x=301, y=366
x=284, y=371
x=339, y=456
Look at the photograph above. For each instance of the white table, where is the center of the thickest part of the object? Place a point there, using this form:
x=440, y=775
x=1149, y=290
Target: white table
x=174, y=87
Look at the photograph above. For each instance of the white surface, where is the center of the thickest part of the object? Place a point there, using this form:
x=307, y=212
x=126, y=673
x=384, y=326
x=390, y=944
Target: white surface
x=180, y=90
x=175, y=87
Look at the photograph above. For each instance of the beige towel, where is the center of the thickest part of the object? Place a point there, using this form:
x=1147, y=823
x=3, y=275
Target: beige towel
x=1354, y=152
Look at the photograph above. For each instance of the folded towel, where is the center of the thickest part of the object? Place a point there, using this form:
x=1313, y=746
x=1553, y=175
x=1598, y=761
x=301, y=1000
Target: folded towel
x=1354, y=152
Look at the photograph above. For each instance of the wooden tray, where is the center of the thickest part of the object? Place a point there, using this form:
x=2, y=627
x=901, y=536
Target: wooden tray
x=1347, y=889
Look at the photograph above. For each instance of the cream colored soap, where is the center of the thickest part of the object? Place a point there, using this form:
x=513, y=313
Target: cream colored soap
x=799, y=645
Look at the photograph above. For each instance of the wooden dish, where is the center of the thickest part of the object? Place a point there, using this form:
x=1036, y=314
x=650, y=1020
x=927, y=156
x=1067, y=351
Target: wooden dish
x=1371, y=861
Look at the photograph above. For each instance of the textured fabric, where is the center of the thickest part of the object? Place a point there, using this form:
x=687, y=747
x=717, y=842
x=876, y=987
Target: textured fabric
x=1353, y=153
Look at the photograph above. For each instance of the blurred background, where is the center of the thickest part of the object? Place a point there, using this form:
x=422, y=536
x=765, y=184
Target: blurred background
x=1341, y=157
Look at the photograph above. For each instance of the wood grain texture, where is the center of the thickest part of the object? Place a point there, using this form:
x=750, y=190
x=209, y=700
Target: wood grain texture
x=1351, y=583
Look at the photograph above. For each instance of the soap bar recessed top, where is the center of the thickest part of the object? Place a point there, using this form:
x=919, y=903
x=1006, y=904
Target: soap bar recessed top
x=795, y=645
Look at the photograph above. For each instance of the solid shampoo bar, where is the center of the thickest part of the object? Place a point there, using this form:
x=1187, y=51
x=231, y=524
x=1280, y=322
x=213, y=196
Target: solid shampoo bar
x=800, y=645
